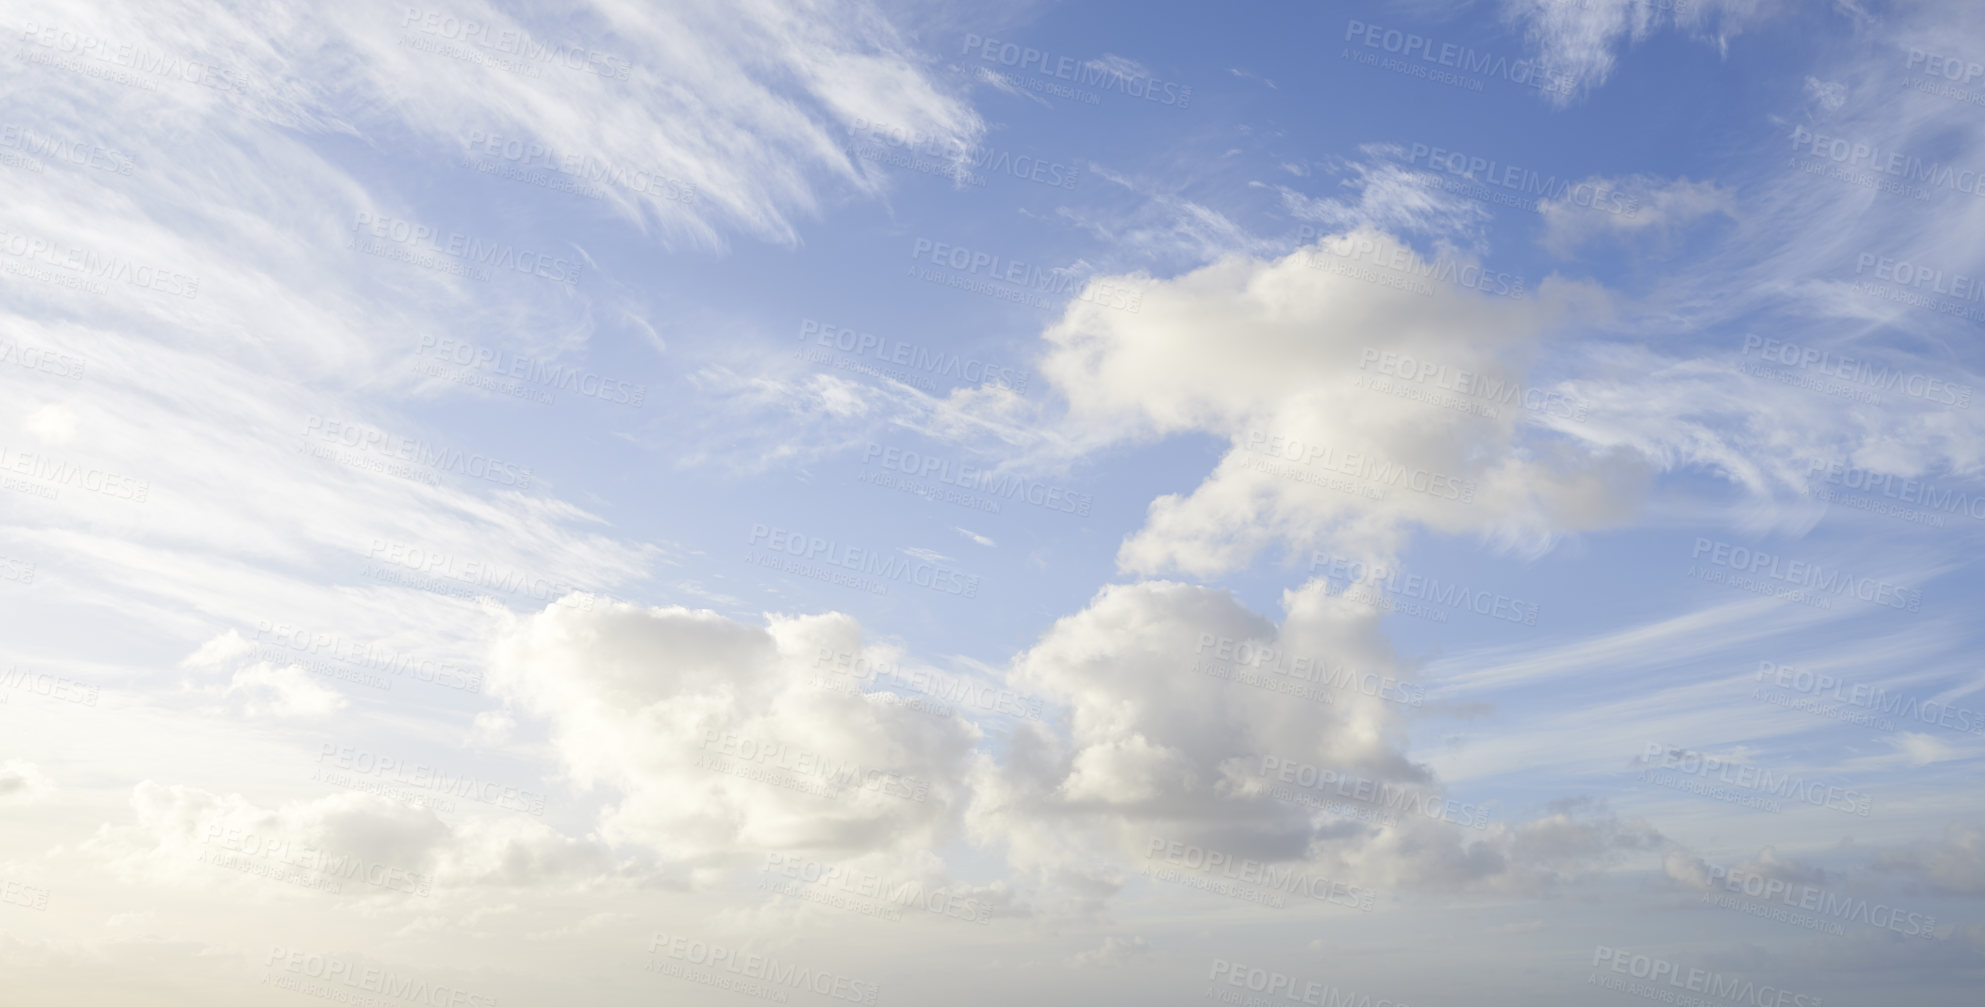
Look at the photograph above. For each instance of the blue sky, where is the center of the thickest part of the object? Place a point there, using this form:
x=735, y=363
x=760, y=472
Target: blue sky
x=460, y=485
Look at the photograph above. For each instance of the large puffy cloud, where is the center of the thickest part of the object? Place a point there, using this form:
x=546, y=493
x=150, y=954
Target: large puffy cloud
x=1156, y=748
x=718, y=739
x=1281, y=357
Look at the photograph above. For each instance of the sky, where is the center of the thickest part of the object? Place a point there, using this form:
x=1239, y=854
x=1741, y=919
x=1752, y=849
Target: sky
x=1355, y=503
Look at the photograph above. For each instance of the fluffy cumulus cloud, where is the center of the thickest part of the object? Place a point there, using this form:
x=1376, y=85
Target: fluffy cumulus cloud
x=720, y=741
x=355, y=844
x=1190, y=720
x=1579, y=41
x=1365, y=392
